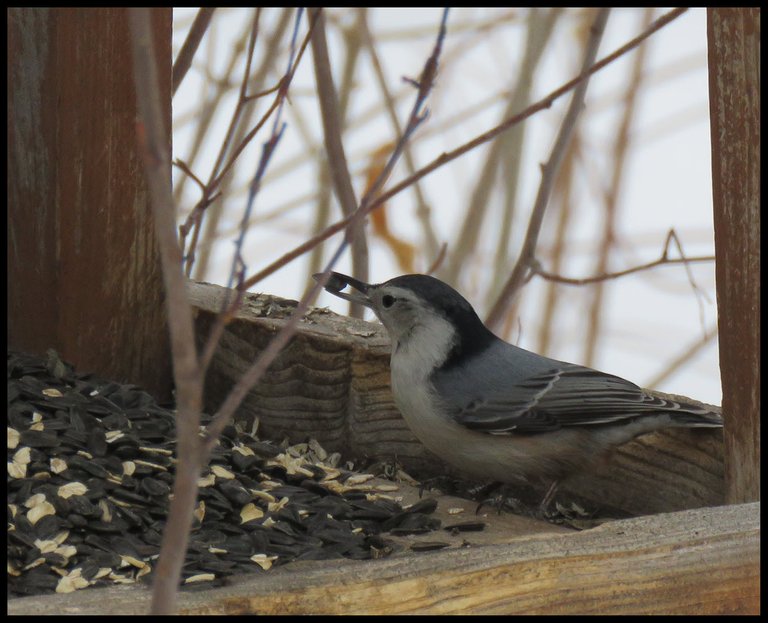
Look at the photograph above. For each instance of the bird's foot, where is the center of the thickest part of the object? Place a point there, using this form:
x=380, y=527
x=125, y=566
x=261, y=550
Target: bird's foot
x=502, y=500
x=444, y=484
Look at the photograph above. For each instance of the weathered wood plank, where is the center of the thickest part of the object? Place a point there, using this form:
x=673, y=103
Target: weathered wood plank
x=83, y=266
x=733, y=43
x=701, y=561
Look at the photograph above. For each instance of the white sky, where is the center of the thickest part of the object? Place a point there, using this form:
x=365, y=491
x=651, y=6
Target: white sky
x=650, y=317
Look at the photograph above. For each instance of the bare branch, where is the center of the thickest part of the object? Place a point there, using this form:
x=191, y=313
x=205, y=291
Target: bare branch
x=571, y=281
x=254, y=79
x=672, y=237
x=352, y=45
x=686, y=354
x=546, y=102
x=549, y=172
x=611, y=195
x=254, y=373
x=334, y=147
x=449, y=156
x=205, y=115
x=183, y=166
x=540, y=32
x=155, y=147
x=664, y=259
x=422, y=207
x=237, y=270
x=184, y=60
x=194, y=220
x=505, y=151
x=217, y=175
x=268, y=149
x=417, y=116
x=438, y=260
x=282, y=93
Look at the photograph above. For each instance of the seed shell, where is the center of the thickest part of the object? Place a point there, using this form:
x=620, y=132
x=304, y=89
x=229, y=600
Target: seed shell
x=91, y=466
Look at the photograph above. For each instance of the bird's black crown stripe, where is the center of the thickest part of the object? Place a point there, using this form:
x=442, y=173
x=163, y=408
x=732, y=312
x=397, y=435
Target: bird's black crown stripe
x=473, y=337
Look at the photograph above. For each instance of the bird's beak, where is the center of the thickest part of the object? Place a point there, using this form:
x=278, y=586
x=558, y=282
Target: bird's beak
x=338, y=282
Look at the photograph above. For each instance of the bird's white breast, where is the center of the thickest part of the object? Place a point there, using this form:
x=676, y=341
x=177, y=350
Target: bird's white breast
x=414, y=357
x=504, y=458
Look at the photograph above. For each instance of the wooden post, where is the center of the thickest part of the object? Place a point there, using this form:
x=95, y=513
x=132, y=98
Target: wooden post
x=734, y=100
x=83, y=268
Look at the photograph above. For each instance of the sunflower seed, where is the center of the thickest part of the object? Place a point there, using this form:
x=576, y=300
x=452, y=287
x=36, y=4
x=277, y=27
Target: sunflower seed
x=101, y=455
x=429, y=546
x=467, y=526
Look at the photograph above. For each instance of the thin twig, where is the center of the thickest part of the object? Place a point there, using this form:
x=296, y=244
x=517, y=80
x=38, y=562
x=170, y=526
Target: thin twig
x=502, y=153
x=211, y=102
x=184, y=60
x=183, y=166
x=194, y=219
x=213, y=214
x=700, y=294
x=540, y=27
x=672, y=237
x=424, y=86
x=281, y=95
x=237, y=272
x=322, y=200
x=572, y=281
x=611, y=195
x=187, y=375
x=449, y=156
x=254, y=373
x=207, y=191
x=685, y=355
x=268, y=149
x=422, y=207
x=549, y=172
x=417, y=116
x=334, y=147
x=542, y=104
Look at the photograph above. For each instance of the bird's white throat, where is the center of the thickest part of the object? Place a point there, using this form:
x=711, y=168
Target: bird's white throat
x=418, y=352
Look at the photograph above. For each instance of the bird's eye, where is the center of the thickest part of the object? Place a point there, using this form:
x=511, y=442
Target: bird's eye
x=387, y=301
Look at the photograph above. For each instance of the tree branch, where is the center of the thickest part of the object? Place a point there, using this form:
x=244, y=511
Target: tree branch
x=184, y=60
x=155, y=147
x=549, y=172
x=572, y=281
x=334, y=147
x=449, y=156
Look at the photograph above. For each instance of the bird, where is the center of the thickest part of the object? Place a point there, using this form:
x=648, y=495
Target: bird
x=492, y=409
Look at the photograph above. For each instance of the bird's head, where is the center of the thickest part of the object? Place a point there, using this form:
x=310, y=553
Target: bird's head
x=420, y=312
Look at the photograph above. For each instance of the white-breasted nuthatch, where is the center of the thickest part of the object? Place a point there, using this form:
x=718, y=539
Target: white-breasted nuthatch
x=492, y=409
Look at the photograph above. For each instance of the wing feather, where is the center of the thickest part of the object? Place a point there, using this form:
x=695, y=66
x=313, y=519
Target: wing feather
x=559, y=397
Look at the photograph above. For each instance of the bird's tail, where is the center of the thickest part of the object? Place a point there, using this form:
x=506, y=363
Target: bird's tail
x=688, y=413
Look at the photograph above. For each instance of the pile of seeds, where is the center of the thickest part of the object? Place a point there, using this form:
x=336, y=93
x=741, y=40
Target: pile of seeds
x=91, y=466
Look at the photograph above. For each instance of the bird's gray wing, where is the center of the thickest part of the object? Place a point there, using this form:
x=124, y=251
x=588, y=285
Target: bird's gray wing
x=567, y=396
